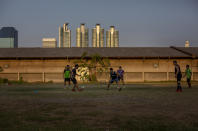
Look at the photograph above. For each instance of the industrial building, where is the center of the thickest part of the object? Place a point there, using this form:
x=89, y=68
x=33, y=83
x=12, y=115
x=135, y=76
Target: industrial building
x=141, y=64
x=8, y=37
x=49, y=42
x=112, y=37
x=82, y=36
x=98, y=36
x=64, y=36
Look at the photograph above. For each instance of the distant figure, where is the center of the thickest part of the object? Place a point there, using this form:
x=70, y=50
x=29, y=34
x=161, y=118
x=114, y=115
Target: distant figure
x=120, y=73
x=73, y=78
x=113, y=78
x=178, y=76
x=188, y=75
x=67, y=75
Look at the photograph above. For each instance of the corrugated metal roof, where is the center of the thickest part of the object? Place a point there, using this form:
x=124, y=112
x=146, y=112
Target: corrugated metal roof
x=74, y=52
x=193, y=51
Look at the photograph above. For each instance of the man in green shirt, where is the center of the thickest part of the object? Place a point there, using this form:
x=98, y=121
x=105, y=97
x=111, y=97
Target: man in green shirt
x=67, y=75
x=188, y=75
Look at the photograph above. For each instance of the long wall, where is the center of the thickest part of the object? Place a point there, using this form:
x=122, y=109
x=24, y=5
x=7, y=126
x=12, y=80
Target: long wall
x=136, y=70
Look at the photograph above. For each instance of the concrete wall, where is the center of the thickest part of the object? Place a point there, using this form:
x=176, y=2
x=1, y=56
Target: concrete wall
x=137, y=70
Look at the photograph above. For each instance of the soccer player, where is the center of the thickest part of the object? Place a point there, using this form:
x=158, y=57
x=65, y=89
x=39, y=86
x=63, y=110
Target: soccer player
x=113, y=78
x=73, y=78
x=188, y=75
x=67, y=74
x=178, y=76
x=120, y=73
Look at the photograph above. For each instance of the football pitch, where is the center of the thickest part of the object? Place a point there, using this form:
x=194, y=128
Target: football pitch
x=49, y=107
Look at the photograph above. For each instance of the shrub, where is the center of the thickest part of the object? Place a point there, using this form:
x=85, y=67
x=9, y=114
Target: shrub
x=4, y=80
x=50, y=81
x=20, y=80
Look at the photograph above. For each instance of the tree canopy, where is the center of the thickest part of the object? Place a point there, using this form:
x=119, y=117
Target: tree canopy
x=90, y=65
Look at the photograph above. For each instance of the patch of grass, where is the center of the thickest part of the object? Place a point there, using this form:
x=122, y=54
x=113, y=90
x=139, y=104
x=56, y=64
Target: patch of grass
x=155, y=107
x=147, y=124
x=8, y=119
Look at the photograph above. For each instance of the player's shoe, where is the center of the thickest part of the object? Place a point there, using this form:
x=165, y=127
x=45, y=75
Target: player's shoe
x=120, y=89
x=73, y=90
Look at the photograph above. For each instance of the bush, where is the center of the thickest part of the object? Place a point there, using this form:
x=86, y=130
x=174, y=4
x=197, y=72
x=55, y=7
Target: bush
x=50, y=81
x=1, y=80
x=20, y=80
x=4, y=80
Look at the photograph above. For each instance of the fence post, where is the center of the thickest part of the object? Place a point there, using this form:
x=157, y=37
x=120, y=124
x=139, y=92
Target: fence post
x=143, y=76
x=18, y=76
x=167, y=76
x=43, y=74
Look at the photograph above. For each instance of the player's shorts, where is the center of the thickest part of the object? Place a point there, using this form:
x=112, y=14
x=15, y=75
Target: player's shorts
x=188, y=80
x=74, y=80
x=179, y=76
x=120, y=78
x=67, y=79
x=112, y=80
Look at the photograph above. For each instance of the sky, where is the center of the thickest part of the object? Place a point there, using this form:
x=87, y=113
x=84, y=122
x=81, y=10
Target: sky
x=141, y=23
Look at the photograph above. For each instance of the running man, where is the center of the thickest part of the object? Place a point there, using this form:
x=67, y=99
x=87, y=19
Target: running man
x=67, y=74
x=73, y=78
x=178, y=76
x=113, y=78
x=120, y=73
x=188, y=75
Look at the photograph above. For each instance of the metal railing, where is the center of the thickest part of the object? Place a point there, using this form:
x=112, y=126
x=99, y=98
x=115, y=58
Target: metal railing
x=103, y=77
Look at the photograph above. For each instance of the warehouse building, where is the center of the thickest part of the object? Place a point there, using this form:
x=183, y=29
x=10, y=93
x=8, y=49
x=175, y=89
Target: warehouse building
x=140, y=63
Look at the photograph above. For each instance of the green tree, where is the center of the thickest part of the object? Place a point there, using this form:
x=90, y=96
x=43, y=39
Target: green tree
x=94, y=64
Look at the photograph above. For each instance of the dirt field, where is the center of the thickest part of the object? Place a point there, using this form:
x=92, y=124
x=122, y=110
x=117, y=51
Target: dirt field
x=137, y=107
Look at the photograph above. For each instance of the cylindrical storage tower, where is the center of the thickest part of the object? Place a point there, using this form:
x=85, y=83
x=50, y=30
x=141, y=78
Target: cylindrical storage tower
x=101, y=37
x=78, y=37
x=86, y=37
x=108, y=42
x=116, y=37
x=60, y=37
x=93, y=37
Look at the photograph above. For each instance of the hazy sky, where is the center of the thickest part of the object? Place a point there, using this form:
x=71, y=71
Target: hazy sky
x=140, y=22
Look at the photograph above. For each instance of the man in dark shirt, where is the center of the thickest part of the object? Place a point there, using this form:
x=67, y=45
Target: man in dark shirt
x=120, y=73
x=113, y=78
x=178, y=76
x=73, y=78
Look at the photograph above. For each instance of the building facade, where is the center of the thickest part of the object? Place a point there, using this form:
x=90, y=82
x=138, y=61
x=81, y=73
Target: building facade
x=49, y=42
x=64, y=36
x=112, y=37
x=98, y=36
x=6, y=42
x=9, y=37
x=82, y=36
x=140, y=64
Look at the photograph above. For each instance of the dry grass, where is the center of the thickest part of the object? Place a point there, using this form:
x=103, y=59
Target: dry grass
x=136, y=107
